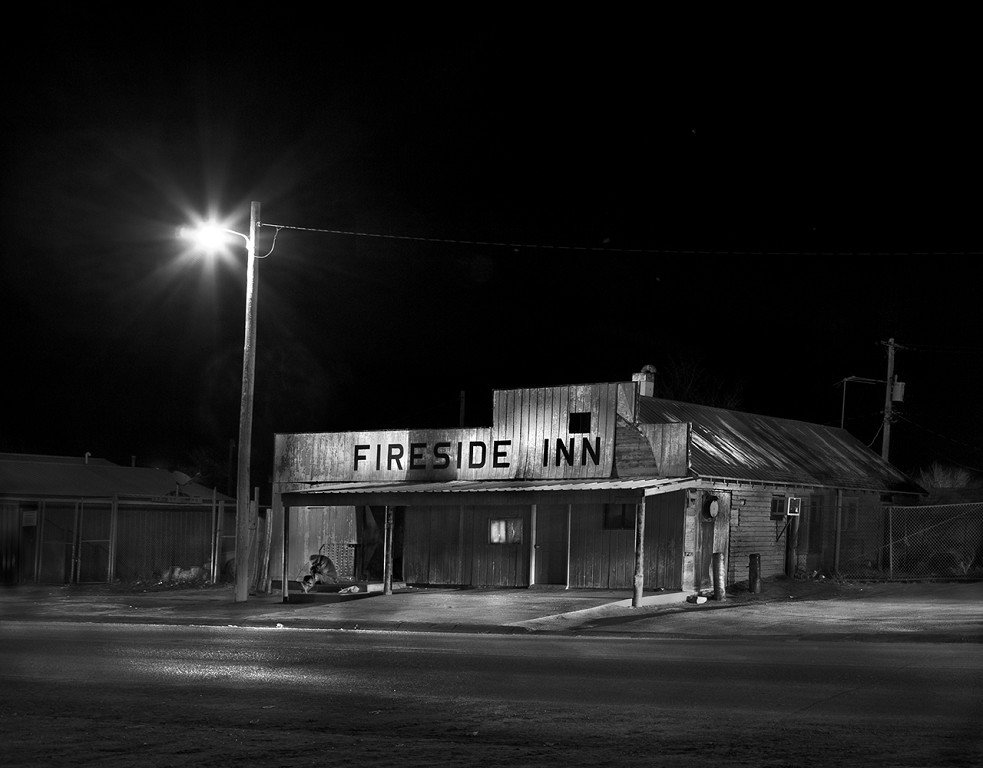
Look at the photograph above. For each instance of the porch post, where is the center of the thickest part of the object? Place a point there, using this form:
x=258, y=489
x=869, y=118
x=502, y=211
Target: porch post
x=639, y=581
x=532, y=545
x=284, y=588
x=387, y=576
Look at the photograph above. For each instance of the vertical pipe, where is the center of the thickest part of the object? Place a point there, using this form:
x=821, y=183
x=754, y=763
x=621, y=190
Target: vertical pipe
x=719, y=576
x=843, y=406
x=639, y=579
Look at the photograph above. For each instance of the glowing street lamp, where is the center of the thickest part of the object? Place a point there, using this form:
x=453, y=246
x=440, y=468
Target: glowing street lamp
x=212, y=237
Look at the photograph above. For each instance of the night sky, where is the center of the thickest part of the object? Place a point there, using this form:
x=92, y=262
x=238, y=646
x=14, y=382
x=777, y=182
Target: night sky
x=763, y=201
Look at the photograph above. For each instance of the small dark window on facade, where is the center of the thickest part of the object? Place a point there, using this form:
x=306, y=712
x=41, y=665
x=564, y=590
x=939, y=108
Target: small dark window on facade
x=619, y=517
x=580, y=423
x=777, y=507
x=505, y=531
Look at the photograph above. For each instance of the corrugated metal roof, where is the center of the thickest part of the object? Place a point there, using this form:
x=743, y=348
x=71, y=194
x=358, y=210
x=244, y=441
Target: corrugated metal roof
x=47, y=476
x=746, y=446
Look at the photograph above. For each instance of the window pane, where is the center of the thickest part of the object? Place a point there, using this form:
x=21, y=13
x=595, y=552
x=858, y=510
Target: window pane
x=496, y=529
x=507, y=531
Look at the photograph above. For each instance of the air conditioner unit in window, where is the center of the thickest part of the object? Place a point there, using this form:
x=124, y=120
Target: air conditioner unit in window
x=793, y=506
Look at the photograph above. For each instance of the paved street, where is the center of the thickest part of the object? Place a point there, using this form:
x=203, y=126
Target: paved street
x=110, y=694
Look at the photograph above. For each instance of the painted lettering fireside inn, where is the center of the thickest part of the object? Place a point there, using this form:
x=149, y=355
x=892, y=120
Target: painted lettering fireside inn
x=587, y=486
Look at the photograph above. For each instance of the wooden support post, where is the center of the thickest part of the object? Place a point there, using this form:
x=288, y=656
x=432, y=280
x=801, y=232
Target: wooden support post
x=532, y=545
x=113, y=543
x=639, y=580
x=284, y=588
x=387, y=576
x=569, y=537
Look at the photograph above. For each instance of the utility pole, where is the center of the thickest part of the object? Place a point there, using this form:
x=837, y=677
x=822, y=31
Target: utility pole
x=888, y=397
x=245, y=519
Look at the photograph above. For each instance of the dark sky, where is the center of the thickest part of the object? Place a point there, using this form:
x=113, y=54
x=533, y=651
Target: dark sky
x=768, y=199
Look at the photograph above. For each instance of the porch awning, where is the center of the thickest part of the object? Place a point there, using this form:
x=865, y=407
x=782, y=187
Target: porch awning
x=485, y=492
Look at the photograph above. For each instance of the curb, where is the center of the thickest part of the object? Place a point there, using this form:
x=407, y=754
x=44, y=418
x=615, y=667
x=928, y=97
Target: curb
x=485, y=629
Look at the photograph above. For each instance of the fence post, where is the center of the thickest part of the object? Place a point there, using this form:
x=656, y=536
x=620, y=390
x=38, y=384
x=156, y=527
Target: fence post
x=890, y=542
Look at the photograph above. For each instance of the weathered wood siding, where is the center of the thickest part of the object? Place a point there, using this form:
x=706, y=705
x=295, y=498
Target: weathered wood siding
x=534, y=419
x=664, y=540
x=605, y=559
x=450, y=545
x=652, y=450
x=530, y=438
x=754, y=532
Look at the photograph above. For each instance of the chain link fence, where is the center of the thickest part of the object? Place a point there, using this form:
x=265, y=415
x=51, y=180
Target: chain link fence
x=941, y=541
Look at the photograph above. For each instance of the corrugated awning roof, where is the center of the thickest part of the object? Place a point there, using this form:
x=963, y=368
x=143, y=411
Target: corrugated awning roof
x=49, y=476
x=749, y=447
x=615, y=490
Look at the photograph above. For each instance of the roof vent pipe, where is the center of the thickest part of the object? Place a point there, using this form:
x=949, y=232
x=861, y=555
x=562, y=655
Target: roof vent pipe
x=87, y=455
x=646, y=381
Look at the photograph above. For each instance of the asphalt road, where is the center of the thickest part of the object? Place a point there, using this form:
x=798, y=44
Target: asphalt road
x=104, y=694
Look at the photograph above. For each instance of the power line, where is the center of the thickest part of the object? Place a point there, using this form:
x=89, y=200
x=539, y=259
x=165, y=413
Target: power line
x=952, y=350
x=939, y=434
x=606, y=249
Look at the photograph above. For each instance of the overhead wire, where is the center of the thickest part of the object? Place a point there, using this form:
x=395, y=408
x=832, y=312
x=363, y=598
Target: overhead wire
x=609, y=249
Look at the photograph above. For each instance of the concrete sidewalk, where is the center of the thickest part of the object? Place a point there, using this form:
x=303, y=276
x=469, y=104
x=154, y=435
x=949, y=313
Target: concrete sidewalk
x=934, y=612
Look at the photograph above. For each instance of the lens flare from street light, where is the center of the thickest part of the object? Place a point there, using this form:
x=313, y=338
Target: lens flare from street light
x=208, y=236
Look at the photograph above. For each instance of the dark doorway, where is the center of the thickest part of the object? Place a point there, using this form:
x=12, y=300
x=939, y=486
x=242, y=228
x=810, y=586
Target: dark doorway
x=551, y=544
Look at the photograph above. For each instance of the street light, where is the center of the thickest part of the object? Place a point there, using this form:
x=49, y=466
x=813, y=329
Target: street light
x=210, y=237
x=843, y=383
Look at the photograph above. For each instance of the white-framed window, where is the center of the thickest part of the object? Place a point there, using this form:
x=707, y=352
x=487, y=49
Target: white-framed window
x=506, y=530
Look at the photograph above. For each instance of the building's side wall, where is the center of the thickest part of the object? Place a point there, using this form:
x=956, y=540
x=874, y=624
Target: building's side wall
x=664, y=518
x=753, y=530
x=451, y=545
x=598, y=557
x=605, y=558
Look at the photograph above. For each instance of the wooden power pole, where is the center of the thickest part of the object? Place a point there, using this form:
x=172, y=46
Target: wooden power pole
x=888, y=397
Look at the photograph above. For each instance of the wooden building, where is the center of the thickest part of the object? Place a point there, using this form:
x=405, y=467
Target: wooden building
x=70, y=519
x=582, y=486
